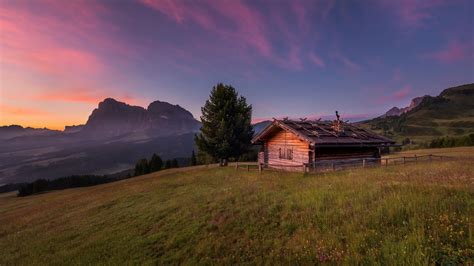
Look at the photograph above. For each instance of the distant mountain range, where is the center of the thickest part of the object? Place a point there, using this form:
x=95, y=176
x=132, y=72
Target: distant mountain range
x=395, y=111
x=9, y=132
x=114, y=137
x=113, y=118
x=451, y=113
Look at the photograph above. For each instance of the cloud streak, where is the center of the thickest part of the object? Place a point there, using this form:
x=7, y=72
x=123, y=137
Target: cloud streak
x=348, y=63
x=411, y=13
x=243, y=23
x=398, y=95
x=44, y=43
x=455, y=51
x=251, y=30
x=21, y=111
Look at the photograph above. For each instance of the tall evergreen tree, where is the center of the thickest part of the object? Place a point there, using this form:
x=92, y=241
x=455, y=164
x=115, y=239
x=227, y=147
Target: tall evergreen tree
x=167, y=164
x=174, y=163
x=226, y=130
x=155, y=163
x=141, y=167
x=193, y=160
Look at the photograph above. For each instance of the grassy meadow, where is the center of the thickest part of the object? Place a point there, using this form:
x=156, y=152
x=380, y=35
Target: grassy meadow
x=414, y=214
x=458, y=152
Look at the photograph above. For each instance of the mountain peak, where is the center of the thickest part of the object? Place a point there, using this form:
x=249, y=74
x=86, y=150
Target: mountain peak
x=113, y=118
x=167, y=109
x=395, y=111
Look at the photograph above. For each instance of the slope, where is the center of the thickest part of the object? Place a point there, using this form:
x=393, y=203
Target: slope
x=220, y=215
x=449, y=114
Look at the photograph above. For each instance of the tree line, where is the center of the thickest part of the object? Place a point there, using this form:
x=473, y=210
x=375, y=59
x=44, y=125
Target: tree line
x=42, y=185
x=446, y=142
x=144, y=166
x=225, y=136
x=440, y=142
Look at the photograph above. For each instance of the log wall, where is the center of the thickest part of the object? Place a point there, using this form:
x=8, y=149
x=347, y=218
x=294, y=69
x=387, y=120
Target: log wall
x=335, y=153
x=286, y=140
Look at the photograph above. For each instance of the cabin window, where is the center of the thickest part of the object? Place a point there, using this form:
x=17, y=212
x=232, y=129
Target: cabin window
x=286, y=154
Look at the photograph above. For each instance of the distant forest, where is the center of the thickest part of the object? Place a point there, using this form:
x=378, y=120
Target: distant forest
x=42, y=185
x=143, y=166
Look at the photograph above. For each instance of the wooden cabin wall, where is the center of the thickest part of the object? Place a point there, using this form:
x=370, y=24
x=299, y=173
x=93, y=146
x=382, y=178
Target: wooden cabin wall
x=338, y=153
x=286, y=140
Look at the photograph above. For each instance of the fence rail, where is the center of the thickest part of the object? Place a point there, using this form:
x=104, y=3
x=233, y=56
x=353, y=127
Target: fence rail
x=333, y=165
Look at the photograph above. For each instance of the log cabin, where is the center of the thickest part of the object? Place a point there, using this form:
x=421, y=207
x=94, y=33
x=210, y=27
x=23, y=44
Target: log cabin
x=291, y=144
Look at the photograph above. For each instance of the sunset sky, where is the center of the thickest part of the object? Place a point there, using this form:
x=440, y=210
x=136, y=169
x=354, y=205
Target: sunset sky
x=58, y=59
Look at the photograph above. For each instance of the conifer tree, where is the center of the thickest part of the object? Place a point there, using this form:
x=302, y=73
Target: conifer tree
x=174, y=163
x=193, y=159
x=155, y=163
x=168, y=164
x=141, y=167
x=226, y=124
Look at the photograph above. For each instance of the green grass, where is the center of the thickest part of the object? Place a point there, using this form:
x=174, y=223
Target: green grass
x=449, y=114
x=458, y=152
x=411, y=215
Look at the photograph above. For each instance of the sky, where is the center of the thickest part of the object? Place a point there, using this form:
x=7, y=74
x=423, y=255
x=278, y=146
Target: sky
x=59, y=59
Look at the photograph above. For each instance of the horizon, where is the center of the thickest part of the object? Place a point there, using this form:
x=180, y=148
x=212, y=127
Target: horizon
x=350, y=117
x=289, y=59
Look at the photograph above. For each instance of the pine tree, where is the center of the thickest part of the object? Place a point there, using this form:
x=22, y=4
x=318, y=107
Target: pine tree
x=193, y=159
x=174, y=163
x=168, y=164
x=226, y=130
x=141, y=167
x=155, y=163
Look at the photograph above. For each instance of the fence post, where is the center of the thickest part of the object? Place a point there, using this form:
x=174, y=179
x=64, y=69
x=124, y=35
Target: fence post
x=333, y=166
x=260, y=167
x=386, y=162
x=236, y=165
x=248, y=167
x=429, y=157
x=416, y=159
x=403, y=159
x=363, y=163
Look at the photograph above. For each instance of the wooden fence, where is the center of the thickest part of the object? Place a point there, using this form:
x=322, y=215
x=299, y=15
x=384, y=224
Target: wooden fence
x=333, y=165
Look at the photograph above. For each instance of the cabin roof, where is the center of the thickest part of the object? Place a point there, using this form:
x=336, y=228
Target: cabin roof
x=324, y=133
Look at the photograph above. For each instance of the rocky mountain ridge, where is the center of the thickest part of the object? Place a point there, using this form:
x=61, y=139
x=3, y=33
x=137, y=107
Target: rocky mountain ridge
x=395, y=111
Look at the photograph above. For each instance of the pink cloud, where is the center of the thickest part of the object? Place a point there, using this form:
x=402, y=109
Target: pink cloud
x=348, y=62
x=411, y=13
x=316, y=59
x=84, y=95
x=65, y=45
x=55, y=37
x=292, y=61
x=79, y=95
x=20, y=111
x=248, y=30
x=398, y=95
x=56, y=61
x=454, y=51
x=247, y=24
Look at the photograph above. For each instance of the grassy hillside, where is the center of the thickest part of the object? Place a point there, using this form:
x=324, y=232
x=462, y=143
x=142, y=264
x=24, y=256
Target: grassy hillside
x=412, y=214
x=449, y=114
